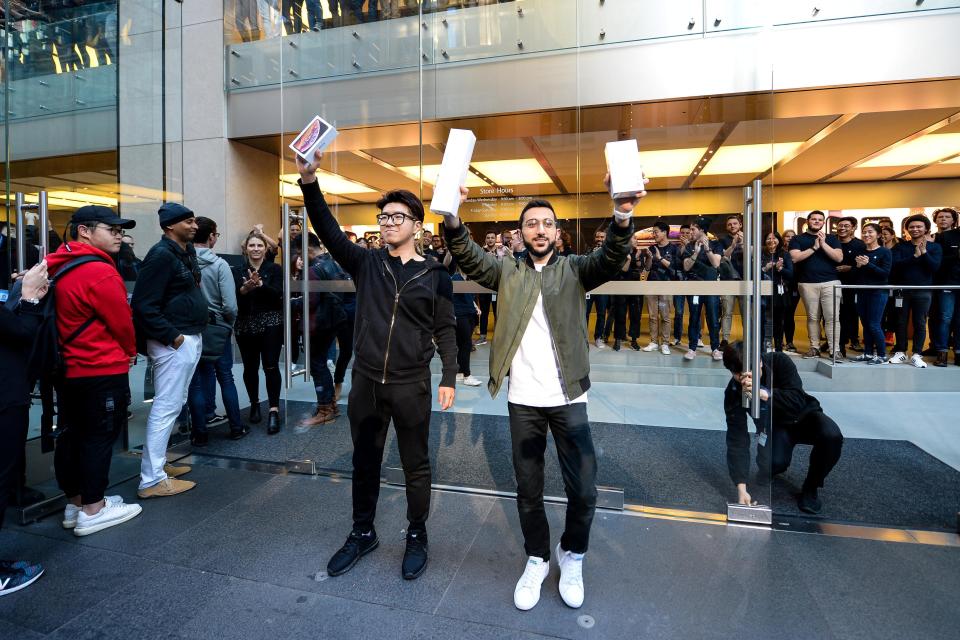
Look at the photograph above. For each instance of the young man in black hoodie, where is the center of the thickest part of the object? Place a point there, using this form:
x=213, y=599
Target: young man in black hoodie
x=404, y=304
x=797, y=419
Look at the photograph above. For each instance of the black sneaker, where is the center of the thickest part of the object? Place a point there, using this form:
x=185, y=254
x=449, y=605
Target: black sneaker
x=216, y=419
x=634, y=345
x=199, y=439
x=855, y=346
x=255, y=415
x=415, y=556
x=273, y=423
x=616, y=345
x=809, y=502
x=15, y=576
x=238, y=434
x=358, y=544
x=791, y=347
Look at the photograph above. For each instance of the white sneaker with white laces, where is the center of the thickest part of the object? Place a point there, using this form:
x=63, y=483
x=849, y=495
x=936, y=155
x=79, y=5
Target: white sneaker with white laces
x=917, y=361
x=470, y=381
x=650, y=347
x=898, y=358
x=665, y=349
x=571, y=577
x=717, y=354
x=110, y=515
x=71, y=511
x=690, y=354
x=527, y=594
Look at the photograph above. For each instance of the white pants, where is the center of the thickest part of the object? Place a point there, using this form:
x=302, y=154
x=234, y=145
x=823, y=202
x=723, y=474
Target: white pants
x=172, y=371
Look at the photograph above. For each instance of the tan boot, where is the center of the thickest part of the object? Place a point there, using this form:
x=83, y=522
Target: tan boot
x=323, y=415
x=166, y=487
x=176, y=472
x=337, y=388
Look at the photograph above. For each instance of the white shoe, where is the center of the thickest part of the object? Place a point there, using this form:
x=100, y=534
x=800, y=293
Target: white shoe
x=690, y=354
x=470, y=381
x=650, y=347
x=571, y=577
x=112, y=514
x=459, y=378
x=600, y=343
x=674, y=342
x=898, y=358
x=527, y=594
x=71, y=511
x=717, y=354
x=917, y=361
x=700, y=344
x=665, y=349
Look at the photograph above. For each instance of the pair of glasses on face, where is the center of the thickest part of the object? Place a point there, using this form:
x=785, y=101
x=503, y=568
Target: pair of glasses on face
x=114, y=231
x=547, y=223
x=395, y=219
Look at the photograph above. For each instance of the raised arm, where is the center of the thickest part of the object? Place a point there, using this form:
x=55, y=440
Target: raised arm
x=349, y=255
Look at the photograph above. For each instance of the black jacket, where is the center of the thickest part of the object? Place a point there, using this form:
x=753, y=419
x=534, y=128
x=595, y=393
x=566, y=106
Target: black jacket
x=18, y=326
x=789, y=402
x=167, y=299
x=269, y=297
x=396, y=326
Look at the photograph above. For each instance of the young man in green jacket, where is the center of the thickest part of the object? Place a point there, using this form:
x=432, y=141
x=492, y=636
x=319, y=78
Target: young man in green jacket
x=542, y=310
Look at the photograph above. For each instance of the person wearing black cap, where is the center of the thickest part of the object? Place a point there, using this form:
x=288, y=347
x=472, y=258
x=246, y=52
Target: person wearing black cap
x=701, y=261
x=170, y=312
x=98, y=347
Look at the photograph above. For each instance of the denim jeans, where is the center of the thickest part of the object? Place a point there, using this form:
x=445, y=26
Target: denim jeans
x=678, y=316
x=600, y=301
x=871, y=304
x=947, y=320
x=201, y=397
x=712, y=306
x=916, y=305
x=321, y=341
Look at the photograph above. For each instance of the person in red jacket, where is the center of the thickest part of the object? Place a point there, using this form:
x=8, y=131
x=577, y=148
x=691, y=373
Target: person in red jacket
x=98, y=345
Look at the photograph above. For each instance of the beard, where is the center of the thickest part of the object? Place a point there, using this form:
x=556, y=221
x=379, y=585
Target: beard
x=539, y=254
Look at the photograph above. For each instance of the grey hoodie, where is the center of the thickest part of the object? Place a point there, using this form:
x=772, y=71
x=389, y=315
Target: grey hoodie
x=217, y=283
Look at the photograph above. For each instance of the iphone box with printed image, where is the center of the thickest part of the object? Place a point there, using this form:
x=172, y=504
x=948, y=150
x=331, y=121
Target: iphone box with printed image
x=453, y=172
x=623, y=164
x=315, y=137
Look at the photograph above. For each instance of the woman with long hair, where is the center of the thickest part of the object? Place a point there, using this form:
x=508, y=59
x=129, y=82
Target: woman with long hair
x=873, y=267
x=777, y=267
x=792, y=300
x=259, y=326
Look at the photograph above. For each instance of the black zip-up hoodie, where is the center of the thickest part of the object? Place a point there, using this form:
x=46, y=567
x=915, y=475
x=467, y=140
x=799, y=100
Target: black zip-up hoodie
x=167, y=299
x=790, y=404
x=396, y=326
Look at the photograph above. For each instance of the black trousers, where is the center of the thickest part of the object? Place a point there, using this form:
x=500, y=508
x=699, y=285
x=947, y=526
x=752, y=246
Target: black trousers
x=345, y=346
x=14, y=422
x=578, y=466
x=465, y=325
x=622, y=304
x=486, y=302
x=916, y=306
x=816, y=429
x=371, y=407
x=93, y=412
x=262, y=348
x=849, y=319
x=790, y=313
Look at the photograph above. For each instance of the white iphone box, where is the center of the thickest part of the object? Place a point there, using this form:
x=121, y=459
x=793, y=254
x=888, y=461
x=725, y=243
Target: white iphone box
x=453, y=172
x=315, y=137
x=623, y=164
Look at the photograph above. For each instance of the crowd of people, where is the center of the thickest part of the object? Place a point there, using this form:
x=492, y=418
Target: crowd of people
x=259, y=19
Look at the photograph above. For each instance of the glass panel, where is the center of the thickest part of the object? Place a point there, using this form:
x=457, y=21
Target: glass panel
x=877, y=155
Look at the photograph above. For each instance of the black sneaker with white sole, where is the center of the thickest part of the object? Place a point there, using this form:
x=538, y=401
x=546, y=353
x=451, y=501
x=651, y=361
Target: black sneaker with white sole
x=358, y=544
x=415, y=555
x=17, y=575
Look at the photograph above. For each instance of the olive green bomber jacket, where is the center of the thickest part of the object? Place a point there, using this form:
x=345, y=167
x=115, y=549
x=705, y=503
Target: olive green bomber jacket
x=563, y=282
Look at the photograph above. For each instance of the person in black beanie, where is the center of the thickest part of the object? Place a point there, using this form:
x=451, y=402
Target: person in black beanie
x=797, y=419
x=169, y=314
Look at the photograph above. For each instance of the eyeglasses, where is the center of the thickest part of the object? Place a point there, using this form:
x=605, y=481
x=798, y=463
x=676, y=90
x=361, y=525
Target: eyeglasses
x=533, y=223
x=395, y=218
x=113, y=230
x=215, y=235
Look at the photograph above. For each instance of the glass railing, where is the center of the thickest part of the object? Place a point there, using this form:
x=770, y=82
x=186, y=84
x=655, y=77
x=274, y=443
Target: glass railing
x=365, y=36
x=62, y=60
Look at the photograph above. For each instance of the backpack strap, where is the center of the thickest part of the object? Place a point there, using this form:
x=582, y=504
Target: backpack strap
x=70, y=266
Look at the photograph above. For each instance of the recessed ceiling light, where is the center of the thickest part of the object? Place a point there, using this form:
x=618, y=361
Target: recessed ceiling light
x=431, y=171
x=747, y=158
x=513, y=172
x=923, y=150
x=329, y=183
x=669, y=163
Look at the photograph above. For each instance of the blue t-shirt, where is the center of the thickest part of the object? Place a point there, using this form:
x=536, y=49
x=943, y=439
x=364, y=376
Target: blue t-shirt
x=702, y=269
x=660, y=272
x=851, y=249
x=877, y=271
x=819, y=267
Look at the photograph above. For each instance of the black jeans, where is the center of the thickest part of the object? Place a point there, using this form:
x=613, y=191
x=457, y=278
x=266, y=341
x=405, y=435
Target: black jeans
x=14, y=422
x=916, y=303
x=262, y=348
x=465, y=325
x=370, y=409
x=486, y=302
x=849, y=319
x=578, y=466
x=790, y=313
x=817, y=429
x=93, y=412
x=621, y=305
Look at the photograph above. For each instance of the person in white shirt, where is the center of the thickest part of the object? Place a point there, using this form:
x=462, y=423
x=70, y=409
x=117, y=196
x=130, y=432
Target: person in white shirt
x=542, y=314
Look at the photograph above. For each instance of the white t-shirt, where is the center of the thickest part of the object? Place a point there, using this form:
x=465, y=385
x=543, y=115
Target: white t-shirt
x=534, y=379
